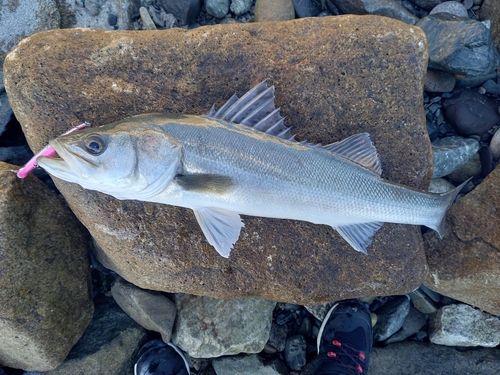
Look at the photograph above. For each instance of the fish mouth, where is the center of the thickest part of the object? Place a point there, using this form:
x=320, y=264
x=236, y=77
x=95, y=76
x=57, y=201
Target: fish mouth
x=67, y=165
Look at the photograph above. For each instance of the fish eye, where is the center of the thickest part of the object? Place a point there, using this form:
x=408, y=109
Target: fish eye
x=94, y=144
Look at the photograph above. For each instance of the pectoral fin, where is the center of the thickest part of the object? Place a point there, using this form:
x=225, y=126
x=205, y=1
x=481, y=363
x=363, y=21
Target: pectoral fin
x=220, y=227
x=359, y=236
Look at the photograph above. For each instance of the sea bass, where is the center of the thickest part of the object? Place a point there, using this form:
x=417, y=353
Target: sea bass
x=241, y=159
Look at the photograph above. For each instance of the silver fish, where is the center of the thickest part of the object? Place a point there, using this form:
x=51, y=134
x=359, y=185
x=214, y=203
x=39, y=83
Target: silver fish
x=241, y=159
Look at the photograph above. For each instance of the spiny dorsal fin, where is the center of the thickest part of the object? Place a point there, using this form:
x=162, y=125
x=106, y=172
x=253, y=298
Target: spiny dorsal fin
x=255, y=109
x=359, y=149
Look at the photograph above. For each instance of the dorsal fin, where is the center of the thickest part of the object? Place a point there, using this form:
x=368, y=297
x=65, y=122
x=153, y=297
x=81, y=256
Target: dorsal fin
x=359, y=149
x=255, y=109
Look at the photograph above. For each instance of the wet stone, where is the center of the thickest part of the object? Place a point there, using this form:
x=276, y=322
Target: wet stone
x=390, y=317
x=295, y=352
x=458, y=45
x=451, y=153
x=470, y=113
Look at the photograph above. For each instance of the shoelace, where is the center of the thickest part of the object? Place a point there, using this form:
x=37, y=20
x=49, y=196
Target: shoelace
x=347, y=355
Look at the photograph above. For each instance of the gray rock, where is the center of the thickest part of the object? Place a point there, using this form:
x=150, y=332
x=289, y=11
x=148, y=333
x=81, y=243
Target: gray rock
x=295, y=352
x=387, y=8
x=320, y=311
x=307, y=8
x=390, y=317
x=23, y=18
x=273, y=10
x=45, y=302
x=243, y=365
x=147, y=21
x=417, y=358
x=184, y=10
x=458, y=45
x=422, y=302
x=452, y=7
x=240, y=7
x=462, y=325
x=492, y=87
x=217, y=8
x=471, y=169
x=452, y=153
x=440, y=185
x=108, y=344
x=277, y=336
x=6, y=112
x=413, y=323
x=151, y=310
x=207, y=327
x=473, y=81
x=95, y=14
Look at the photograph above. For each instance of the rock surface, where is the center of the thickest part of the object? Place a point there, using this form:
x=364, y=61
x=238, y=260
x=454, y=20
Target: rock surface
x=45, y=292
x=462, y=325
x=464, y=264
x=416, y=358
x=151, y=310
x=451, y=153
x=381, y=62
x=459, y=45
x=208, y=327
x=107, y=346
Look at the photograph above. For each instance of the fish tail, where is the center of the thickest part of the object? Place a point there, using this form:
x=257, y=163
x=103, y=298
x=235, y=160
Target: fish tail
x=448, y=199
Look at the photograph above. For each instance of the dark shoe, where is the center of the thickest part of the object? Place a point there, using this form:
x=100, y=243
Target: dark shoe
x=158, y=358
x=345, y=340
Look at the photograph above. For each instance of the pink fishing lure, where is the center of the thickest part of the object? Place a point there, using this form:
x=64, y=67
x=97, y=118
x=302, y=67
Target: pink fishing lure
x=47, y=151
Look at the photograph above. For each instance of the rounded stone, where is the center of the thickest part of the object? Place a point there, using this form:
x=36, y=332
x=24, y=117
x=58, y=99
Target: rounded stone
x=452, y=7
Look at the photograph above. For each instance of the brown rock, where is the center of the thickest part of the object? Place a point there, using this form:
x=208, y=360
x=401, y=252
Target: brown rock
x=490, y=10
x=335, y=76
x=45, y=302
x=464, y=265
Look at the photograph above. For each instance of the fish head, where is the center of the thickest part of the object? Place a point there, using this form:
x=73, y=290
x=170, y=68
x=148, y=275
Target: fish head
x=127, y=162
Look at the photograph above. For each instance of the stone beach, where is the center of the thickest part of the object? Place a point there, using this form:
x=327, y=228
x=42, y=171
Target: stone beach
x=86, y=280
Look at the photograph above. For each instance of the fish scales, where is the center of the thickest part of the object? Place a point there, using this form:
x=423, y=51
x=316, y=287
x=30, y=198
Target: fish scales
x=221, y=169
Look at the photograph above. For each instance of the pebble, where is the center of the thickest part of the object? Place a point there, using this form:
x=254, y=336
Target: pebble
x=295, y=352
x=277, y=336
x=439, y=81
x=462, y=325
x=147, y=21
x=274, y=10
x=421, y=300
x=93, y=7
x=451, y=153
x=495, y=144
x=390, y=317
x=459, y=45
x=217, y=8
x=470, y=113
x=307, y=8
x=240, y=7
x=452, y=7
x=112, y=19
x=471, y=169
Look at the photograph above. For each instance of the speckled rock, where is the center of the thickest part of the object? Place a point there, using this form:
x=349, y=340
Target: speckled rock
x=459, y=45
x=208, y=327
x=451, y=153
x=464, y=264
x=45, y=293
x=462, y=325
x=160, y=247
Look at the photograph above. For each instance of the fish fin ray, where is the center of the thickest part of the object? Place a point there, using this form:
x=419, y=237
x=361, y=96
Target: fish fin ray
x=359, y=149
x=221, y=228
x=205, y=183
x=255, y=109
x=359, y=236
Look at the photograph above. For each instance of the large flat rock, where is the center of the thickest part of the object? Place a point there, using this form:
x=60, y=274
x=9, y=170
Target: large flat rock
x=334, y=77
x=464, y=264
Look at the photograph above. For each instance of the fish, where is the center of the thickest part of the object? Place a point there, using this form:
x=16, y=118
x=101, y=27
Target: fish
x=242, y=160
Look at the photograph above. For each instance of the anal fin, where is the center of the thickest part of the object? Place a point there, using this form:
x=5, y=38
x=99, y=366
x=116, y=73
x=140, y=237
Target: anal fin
x=359, y=236
x=221, y=228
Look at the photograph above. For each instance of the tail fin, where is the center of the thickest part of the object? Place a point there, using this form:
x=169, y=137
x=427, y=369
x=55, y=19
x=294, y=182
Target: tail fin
x=449, y=198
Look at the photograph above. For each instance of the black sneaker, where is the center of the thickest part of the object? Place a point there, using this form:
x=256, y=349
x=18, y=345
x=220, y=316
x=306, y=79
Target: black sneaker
x=158, y=358
x=345, y=340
